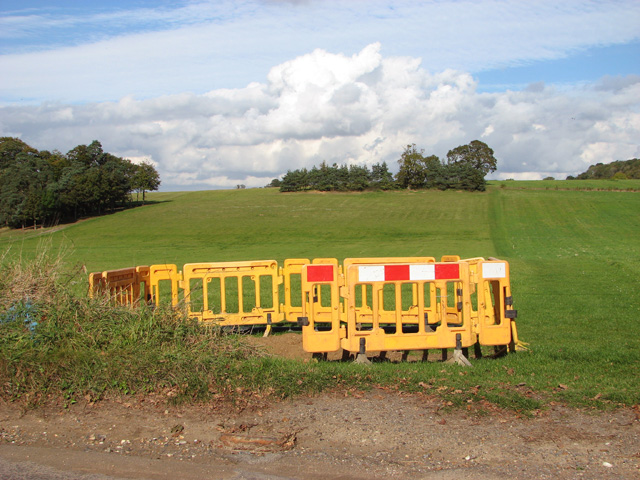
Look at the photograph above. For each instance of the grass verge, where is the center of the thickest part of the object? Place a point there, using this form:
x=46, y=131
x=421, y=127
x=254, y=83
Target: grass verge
x=57, y=346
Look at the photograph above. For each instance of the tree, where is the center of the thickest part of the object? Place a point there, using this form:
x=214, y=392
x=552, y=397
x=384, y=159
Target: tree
x=629, y=168
x=295, y=181
x=468, y=165
x=462, y=176
x=145, y=178
x=418, y=171
x=358, y=178
x=22, y=190
x=10, y=148
x=45, y=187
x=477, y=155
x=413, y=172
x=381, y=177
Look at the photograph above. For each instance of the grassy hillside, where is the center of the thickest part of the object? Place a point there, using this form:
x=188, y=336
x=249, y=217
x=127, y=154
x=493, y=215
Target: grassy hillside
x=265, y=224
x=575, y=265
x=599, y=185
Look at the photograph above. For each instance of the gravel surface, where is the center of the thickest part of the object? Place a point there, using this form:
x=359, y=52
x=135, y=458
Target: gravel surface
x=373, y=435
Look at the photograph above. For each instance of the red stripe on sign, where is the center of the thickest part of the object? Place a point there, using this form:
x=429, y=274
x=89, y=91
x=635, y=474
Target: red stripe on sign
x=396, y=272
x=319, y=273
x=447, y=271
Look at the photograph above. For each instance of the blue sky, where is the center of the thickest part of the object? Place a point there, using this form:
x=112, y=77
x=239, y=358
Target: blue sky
x=221, y=93
x=581, y=66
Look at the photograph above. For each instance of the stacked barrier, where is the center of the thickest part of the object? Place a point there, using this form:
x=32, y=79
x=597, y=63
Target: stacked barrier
x=364, y=305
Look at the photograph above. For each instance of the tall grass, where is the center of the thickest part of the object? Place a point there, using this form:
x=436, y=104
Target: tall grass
x=61, y=347
x=56, y=345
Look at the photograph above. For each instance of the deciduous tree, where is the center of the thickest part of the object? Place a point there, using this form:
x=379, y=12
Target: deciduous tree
x=469, y=164
x=145, y=178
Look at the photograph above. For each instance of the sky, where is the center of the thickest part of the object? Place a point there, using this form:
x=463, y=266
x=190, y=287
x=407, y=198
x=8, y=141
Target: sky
x=221, y=93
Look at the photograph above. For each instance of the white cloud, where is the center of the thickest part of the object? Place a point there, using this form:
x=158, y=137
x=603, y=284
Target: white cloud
x=197, y=46
x=332, y=107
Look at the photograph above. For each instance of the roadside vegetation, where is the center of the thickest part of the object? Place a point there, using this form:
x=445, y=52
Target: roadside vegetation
x=574, y=270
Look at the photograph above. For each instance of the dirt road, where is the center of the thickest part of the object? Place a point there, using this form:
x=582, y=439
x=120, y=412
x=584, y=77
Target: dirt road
x=371, y=435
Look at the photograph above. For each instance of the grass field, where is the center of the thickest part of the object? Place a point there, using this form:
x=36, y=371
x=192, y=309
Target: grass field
x=575, y=270
x=585, y=185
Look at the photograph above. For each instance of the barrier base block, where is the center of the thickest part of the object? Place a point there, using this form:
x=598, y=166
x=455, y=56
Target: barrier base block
x=362, y=359
x=460, y=359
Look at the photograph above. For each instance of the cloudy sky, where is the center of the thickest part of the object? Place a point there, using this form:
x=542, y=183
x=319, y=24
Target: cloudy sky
x=220, y=93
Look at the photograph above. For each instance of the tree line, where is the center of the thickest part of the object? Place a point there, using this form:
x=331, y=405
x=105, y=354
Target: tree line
x=620, y=169
x=43, y=187
x=465, y=168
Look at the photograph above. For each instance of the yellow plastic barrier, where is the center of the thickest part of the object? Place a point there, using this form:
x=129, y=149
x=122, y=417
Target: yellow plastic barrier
x=161, y=275
x=414, y=306
x=493, y=313
x=321, y=307
x=366, y=305
x=97, y=284
x=124, y=285
x=233, y=293
x=364, y=293
x=292, y=280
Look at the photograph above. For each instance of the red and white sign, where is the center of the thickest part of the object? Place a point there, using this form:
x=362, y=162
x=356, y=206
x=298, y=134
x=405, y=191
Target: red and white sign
x=415, y=272
x=319, y=273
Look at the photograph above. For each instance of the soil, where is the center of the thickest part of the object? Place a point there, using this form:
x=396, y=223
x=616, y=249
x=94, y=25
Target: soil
x=343, y=435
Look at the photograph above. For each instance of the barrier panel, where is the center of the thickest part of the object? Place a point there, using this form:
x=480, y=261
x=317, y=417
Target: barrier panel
x=321, y=307
x=164, y=281
x=292, y=279
x=493, y=312
x=123, y=285
x=233, y=293
x=414, y=306
x=364, y=294
x=365, y=305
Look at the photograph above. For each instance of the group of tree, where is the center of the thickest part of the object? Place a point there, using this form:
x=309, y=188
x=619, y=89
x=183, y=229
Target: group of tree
x=337, y=178
x=465, y=168
x=43, y=187
x=621, y=169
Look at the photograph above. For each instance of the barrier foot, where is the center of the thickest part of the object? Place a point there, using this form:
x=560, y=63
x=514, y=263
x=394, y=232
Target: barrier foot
x=320, y=356
x=499, y=351
x=267, y=331
x=362, y=353
x=362, y=359
x=458, y=354
x=405, y=355
x=460, y=359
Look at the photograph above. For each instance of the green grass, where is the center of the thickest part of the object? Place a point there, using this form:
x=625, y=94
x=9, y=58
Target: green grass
x=574, y=258
x=587, y=185
x=575, y=263
x=265, y=224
